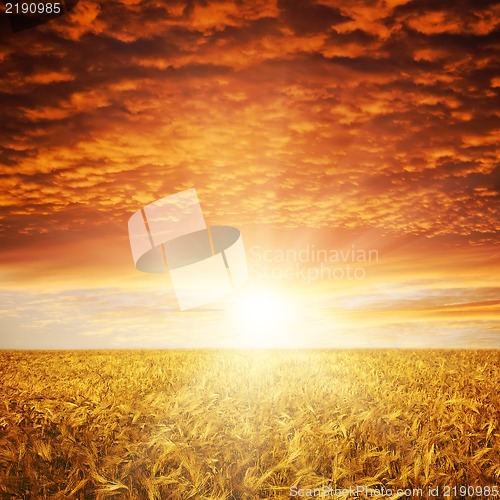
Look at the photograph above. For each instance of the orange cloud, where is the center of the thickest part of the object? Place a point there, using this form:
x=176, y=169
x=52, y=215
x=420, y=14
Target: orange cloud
x=286, y=115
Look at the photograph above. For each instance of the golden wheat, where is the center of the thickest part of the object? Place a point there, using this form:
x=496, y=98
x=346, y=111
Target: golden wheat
x=245, y=424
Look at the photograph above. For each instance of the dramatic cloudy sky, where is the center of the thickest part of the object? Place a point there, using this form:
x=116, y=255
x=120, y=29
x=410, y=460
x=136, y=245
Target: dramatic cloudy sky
x=331, y=124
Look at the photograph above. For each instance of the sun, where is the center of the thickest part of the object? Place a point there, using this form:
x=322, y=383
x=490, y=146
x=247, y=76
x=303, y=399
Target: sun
x=263, y=317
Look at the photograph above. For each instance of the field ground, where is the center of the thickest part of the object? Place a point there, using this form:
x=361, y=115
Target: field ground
x=248, y=424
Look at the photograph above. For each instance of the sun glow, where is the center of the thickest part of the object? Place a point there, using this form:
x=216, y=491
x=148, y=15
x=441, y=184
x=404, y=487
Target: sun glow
x=264, y=318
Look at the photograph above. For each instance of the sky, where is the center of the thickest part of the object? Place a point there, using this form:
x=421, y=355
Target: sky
x=312, y=126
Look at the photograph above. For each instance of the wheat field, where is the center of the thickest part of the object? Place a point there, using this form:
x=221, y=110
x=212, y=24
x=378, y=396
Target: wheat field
x=249, y=424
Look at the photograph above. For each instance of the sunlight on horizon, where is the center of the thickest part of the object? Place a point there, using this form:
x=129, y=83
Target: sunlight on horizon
x=268, y=317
